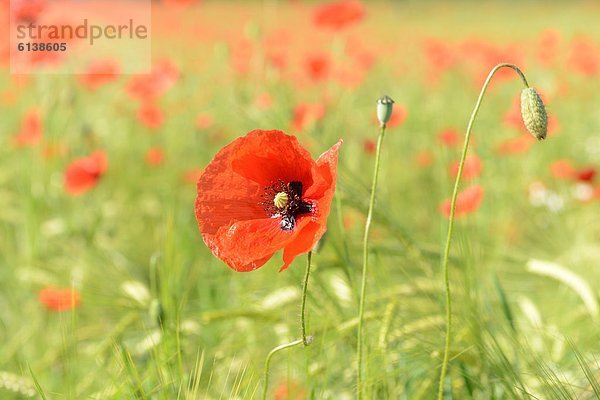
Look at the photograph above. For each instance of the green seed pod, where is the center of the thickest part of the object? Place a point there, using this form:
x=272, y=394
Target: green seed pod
x=385, y=106
x=534, y=113
x=281, y=199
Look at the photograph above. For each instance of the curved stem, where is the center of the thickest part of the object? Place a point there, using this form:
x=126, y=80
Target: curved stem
x=363, y=287
x=268, y=362
x=451, y=222
x=305, y=340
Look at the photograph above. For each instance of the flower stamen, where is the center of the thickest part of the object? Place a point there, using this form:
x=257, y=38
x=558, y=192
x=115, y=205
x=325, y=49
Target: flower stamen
x=284, y=201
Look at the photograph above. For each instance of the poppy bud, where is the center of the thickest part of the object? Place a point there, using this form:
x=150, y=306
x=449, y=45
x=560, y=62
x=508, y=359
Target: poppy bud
x=534, y=113
x=385, y=107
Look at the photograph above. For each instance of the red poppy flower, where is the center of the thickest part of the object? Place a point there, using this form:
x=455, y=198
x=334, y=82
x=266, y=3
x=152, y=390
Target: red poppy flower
x=318, y=67
x=263, y=193
x=59, y=299
x=305, y=114
x=548, y=46
x=163, y=77
x=562, y=169
x=467, y=202
x=27, y=10
x=339, y=14
x=289, y=390
x=31, y=129
x=518, y=145
x=155, y=156
x=100, y=72
x=84, y=173
x=151, y=116
x=369, y=146
x=472, y=168
x=449, y=137
x=585, y=174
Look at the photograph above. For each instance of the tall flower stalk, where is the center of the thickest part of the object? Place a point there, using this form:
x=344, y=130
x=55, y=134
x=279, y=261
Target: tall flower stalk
x=384, y=112
x=536, y=120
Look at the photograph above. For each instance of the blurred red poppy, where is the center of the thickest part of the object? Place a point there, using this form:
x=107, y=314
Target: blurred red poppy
x=204, y=121
x=155, y=156
x=584, y=57
x=562, y=169
x=27, y=10
x=84, y=173
x=518, y=145
x=318, y=66
x=468, y=201
x=59, y=299
x=472, y=168
x=289, y=390
x=369, y=145
x=548, y=46
x=449, y=137
x=31, y=129
x=151, y=116
x=163, y=77
x=338, y=15
x=263, y=193
x=305, y=114
x=100, y=72
x=585, y=174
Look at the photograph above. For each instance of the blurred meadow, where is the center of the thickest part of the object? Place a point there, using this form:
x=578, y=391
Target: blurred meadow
x=107, y=290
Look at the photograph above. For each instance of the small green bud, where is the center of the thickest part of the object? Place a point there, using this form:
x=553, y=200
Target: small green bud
x=385, y=106
x=534, y=113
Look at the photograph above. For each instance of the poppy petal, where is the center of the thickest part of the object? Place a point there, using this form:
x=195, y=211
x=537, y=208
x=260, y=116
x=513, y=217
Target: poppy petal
x=323, y=190
x=224, y=196
x=237, y=245
x=306, y=240
x=268, y=156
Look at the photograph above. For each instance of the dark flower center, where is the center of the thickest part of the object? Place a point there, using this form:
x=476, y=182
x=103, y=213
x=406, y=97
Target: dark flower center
x=284, y=201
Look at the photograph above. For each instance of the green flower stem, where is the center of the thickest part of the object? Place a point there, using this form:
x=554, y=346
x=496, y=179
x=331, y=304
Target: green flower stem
x=305, y=340
x=451, y=220
x=363, y=288
x=268, y=362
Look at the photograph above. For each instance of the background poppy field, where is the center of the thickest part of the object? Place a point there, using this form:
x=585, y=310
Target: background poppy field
x=108, y=292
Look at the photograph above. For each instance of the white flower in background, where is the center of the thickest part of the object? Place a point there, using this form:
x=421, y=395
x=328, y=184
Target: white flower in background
x=539, y=196
x=583, y=191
